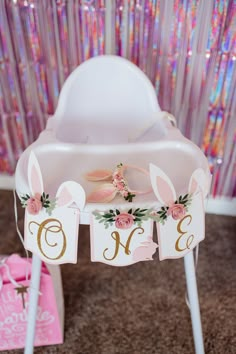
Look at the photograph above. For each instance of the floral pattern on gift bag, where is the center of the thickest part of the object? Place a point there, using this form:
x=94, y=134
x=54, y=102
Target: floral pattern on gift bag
x=180, y=221
x=51, y=225
x=121, y=238
x=13, y=316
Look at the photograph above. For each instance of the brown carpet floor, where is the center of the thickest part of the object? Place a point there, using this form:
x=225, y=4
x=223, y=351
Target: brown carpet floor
x=141, y=309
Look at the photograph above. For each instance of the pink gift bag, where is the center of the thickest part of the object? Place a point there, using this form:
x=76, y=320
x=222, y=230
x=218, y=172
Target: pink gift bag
x=14, y=300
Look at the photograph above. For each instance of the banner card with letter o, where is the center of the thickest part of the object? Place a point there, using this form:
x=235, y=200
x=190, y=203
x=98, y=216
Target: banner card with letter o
x=51, y=225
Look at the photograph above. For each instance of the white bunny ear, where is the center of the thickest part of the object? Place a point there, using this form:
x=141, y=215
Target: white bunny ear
x=198, y=180
x=34, y=175
x=70, y=192
x=162, y=185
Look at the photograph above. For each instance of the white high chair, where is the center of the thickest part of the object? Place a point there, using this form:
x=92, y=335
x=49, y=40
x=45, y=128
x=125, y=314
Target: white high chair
x=108, y=112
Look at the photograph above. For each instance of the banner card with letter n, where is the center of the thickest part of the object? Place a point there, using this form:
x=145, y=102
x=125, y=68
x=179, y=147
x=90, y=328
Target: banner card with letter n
x=122, y=237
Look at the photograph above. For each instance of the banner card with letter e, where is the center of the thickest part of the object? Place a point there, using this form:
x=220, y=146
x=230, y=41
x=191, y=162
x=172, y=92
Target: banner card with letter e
x=180, y=220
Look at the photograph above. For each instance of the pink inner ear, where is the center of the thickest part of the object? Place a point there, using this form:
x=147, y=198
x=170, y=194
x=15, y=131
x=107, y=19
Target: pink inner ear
x=102, y=194
x=64, y=197
x=36, y=181
x=98, y=175
x=164, y=191
x=193, y=186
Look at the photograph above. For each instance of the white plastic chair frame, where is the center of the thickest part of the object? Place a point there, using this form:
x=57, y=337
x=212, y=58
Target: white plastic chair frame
x=112, y=84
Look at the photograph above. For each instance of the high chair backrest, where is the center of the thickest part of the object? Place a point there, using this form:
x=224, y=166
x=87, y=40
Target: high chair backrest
x=104, y=99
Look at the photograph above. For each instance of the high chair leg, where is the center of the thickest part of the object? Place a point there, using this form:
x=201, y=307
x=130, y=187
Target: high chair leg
x=194, y=303
x=33, y=304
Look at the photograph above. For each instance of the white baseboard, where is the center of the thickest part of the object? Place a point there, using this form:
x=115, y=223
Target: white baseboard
x=219, y=205
x=7, y=182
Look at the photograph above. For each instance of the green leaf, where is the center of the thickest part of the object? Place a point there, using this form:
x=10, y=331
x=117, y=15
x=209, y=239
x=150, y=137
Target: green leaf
x=111, y=211
x=117, y=212
x=162, y=208
x=47, y=196
x=130, y=211
x=108, y=215
x=146, y=217
x=144, y=210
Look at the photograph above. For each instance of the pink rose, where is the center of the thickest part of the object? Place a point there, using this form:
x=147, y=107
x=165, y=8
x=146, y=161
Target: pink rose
x=117, y=176
x=120, y=186
x=34, y=205
x=177, y=211
x=124, y=221
x=124, y=193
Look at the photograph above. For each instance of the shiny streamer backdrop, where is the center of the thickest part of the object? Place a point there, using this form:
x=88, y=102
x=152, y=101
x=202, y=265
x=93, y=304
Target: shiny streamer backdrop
x=187, y=48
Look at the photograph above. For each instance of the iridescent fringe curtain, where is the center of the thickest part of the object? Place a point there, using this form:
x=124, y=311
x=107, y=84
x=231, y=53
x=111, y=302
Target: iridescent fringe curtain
x=186, y=47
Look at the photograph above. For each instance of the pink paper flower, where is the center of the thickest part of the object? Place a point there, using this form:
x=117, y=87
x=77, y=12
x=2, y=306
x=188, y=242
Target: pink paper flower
x=177, y=211
x=34, y=205
x=154, y=213
x=124, y=220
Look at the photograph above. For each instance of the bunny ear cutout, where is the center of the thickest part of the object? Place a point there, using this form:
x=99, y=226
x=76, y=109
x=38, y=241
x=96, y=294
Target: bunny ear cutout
x=98, y=175
x=162, y=186
x=198, y=180
x=102, y=194
x=70, y=192
x=34, y=175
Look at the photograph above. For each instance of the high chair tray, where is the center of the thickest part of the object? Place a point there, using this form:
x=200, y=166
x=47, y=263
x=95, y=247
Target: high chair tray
x=176, y=155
